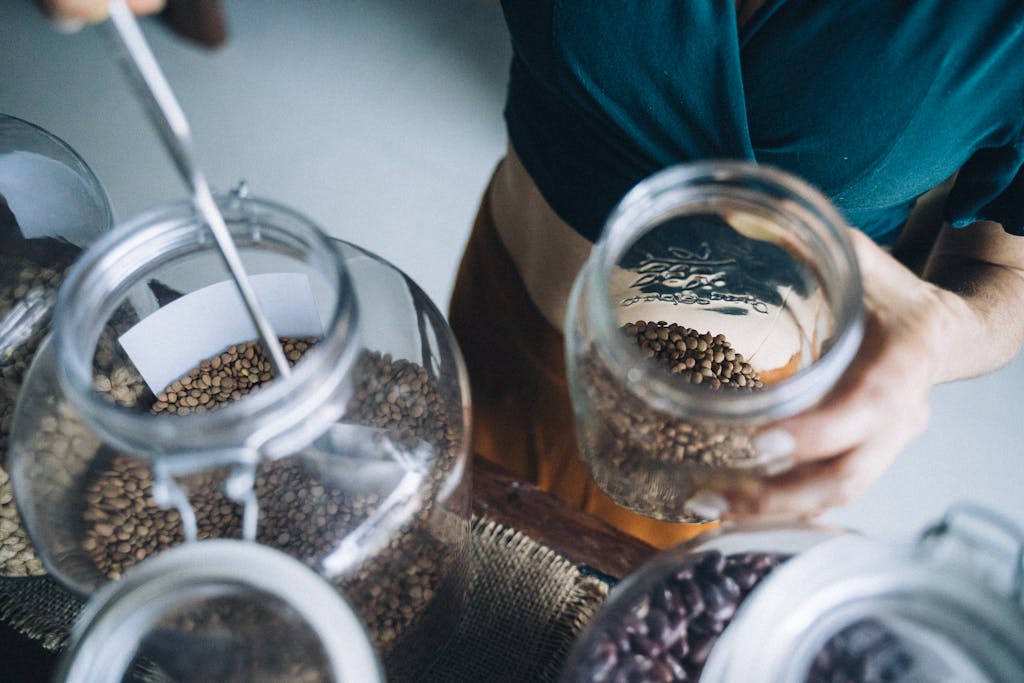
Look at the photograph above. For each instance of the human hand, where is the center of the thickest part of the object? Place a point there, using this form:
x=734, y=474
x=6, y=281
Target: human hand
x=881, y=403
x=72, y=13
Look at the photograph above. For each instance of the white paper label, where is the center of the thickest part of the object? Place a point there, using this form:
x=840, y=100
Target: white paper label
x=172, y=341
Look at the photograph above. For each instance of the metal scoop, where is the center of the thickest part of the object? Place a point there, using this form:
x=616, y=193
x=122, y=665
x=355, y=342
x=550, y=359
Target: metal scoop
x=167, y=116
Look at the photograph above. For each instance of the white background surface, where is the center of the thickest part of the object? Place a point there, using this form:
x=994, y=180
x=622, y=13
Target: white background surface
x=381, y=120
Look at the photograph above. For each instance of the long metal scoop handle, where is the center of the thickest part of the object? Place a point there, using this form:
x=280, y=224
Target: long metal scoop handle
x=166, y=114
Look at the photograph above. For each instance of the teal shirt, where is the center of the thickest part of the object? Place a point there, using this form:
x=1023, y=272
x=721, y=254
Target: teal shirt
x=873, y=101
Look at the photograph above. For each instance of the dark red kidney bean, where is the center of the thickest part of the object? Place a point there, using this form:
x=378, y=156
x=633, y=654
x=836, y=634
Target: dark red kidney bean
x=680, y=649
x=676, y=632
x=690, y=596
x=730, y=589
x=717, y=604
x=711, y=565
x=658, y=626
x=645, y=646
x=634, y=624
x=621, y=639
x=744, y=577
x=684, y=573
x=706, y=624
x=666, y=599
x=700, y=647
x=603, y=660
x=660, y=673
x=640, y=663
x=678, y=672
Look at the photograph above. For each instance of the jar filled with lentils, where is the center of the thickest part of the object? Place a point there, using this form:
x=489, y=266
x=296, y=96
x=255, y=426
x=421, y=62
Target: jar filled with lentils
x=721, y=295
x=51, y=206
x=153, y=417
x=805, y=604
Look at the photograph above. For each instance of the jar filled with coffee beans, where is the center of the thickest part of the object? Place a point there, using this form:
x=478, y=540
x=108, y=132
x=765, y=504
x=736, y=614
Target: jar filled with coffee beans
x=804, y=604
x=721, y=295
x=153, y=417
x=51, y=206
x=221, y=610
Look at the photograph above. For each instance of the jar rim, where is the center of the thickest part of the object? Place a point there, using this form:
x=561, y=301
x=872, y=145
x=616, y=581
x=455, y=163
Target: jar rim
x=116, y=619
x=640, y=211
x=278, y=414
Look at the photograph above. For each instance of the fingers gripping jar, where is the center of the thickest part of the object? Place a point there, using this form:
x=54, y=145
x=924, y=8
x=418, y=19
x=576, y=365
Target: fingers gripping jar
x=150, y=418
x=721, y=295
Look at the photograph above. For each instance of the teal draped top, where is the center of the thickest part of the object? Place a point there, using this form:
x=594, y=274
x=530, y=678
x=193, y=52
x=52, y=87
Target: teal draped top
x=873, y=101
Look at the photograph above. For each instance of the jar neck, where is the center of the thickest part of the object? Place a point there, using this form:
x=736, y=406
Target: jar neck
x=283, y=416
x=790, y=214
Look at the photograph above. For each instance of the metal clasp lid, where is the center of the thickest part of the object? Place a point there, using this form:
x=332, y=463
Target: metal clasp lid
x=981, y=543
x=239, y=485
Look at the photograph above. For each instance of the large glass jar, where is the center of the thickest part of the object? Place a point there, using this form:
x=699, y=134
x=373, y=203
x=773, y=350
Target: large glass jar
x=805, y=604
x=150, y=418
x=225, y=611
x=720, y=296
x=51, y=207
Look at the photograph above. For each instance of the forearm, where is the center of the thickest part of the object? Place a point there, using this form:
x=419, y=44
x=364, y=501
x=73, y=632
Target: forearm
x=981, y=272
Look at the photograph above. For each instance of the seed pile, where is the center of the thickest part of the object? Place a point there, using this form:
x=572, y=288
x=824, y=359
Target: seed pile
x=404, y=591
x=642, y=456
x=123, y=523
x=239, y=370
x=18, y=277
x=864, y=652
x=667, y=635
x=697, y=358
x=230, y=640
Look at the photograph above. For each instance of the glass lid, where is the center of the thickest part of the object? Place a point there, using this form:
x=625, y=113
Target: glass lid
x=222, y=610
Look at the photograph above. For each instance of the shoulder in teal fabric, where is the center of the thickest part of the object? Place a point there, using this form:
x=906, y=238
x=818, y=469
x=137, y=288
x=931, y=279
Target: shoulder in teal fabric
x=873, y=101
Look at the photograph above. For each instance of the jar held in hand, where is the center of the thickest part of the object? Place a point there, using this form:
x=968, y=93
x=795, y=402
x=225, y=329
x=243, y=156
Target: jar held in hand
x=721, y=296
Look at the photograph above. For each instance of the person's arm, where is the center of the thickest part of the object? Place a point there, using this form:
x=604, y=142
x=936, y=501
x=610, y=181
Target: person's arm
x=964, y=319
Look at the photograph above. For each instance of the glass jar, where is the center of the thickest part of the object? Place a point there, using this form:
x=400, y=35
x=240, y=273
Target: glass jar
x=51, y=206
x=804, y=604
x=219, y=611
x=721, y=295
x=149, y=418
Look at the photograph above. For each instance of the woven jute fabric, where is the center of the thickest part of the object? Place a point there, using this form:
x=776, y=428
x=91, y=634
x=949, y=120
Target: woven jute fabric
x=525, y=607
